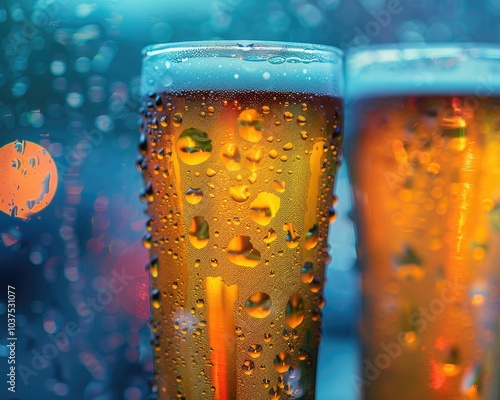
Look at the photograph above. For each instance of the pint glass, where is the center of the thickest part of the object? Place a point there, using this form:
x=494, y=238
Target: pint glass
x=425, y=165
x=239, y=149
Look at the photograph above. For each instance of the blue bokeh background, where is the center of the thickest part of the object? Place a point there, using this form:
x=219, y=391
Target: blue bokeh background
x=69, y=80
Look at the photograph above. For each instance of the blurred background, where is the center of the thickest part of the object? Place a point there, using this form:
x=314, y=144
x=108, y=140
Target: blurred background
x=69, y=81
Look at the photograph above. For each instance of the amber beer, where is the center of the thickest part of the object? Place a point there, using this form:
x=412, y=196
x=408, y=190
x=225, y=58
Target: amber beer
x=425, y=163
x=239, y=191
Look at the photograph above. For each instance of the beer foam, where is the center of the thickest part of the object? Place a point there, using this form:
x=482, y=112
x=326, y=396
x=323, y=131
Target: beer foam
x=463, y=69
x=230, y=65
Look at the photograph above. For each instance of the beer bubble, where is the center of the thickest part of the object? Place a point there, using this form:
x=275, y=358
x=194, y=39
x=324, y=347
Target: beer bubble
x=248, y=367
x=264, y=208
x=240, y=251
x=312, y=238
x=230, y=157
x=250, y=125
x=177, y=120
x=294, y=314
x=194, y=146
x=194, y=195
x=239, y=193
x=258, y=305
x=282, y=362
x=255, y=350
x=307, y=272
x=199, y=232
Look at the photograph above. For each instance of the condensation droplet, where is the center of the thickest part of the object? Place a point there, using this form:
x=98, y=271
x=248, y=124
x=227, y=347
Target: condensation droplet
x=194, y=146
x=239, y=193
x=292, y=237
x=248, y=367
x=255, y=350
x=250, y=124
x=312, y=238
x=294, y=314
x=230, y=157
x=264, y=208
x=282, y=362
x=259, y=305
x=307, y=272
x=155, y=298
x=194, y=195
x=240, y=251
x=199, y=232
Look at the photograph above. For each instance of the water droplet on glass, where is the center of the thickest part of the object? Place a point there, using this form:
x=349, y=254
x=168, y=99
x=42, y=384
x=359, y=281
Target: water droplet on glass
x=292, y=237
x=255, y=350
x=312, y=238
x=270, y=237
x=239, y=193
x=248, y=367
x=194, y=195
x=230, y=157
x=264, y=208
x=253, y=157
x=265, y=110
x=240, y=251
x=307, y=272
x=153, y=267
x=282, y=362
x=199, y=232
x=288, y=116
x=155, y=298
x=301, y=121
x=275, y=393
x=259, y=305
x=177, y=120
x=194, y=146
x=279, y=186
x=294, y=314
x=250, y=124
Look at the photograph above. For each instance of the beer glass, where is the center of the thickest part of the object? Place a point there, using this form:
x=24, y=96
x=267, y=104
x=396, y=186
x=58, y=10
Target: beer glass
x=425, y=165
x=239, y=149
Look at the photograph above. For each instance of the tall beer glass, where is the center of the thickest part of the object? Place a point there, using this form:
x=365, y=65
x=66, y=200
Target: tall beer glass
x=425, y=163
x=239, y=149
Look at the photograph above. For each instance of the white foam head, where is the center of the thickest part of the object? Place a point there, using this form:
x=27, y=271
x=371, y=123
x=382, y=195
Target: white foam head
x=231, y=65
x=454, y=69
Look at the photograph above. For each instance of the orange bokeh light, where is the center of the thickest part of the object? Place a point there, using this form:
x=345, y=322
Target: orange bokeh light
x=28, y=178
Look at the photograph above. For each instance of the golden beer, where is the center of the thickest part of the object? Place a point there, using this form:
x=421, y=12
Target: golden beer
x=426, y=170
x=239, y=190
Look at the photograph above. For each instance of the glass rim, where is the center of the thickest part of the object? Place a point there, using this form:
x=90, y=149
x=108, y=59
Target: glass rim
x=401, y=52
x=245, y=46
